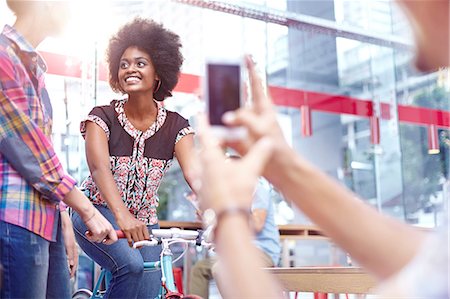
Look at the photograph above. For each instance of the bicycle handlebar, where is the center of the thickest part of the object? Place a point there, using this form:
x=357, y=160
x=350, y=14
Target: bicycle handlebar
x=120, y=234
x=167, y=233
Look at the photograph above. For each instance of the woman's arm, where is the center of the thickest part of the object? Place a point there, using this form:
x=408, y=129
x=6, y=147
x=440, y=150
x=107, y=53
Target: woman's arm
x=381, y=244
x=97, y=154
x=184, y=151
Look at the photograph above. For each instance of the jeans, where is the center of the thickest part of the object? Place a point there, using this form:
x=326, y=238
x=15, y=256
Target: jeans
x=33, y=267
x=125, y=264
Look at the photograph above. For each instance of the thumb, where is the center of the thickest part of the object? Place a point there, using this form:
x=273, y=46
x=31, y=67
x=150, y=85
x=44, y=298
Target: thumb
x=259, y=155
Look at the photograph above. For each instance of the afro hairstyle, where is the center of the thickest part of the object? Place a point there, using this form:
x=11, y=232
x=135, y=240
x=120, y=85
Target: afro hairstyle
x=162, y=45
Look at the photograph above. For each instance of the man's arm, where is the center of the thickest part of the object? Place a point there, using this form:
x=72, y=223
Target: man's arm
x=259, y=219
x=30, y=152
x=260, y=205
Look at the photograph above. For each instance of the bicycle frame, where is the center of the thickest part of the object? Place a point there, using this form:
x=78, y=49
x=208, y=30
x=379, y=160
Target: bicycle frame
x=168, y=288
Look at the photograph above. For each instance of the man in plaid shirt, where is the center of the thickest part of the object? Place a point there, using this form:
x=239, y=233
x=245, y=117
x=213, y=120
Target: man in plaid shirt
x=33, y=184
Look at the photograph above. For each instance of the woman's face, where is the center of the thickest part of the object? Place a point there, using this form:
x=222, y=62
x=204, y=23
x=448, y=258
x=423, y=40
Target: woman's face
x=136, y=72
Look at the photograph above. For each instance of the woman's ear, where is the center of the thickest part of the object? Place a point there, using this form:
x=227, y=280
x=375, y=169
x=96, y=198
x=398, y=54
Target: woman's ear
x=157, y=85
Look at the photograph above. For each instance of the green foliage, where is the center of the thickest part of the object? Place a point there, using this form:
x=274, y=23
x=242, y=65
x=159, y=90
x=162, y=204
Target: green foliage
x=436, y=98
x=422, y=172
x=163, y=194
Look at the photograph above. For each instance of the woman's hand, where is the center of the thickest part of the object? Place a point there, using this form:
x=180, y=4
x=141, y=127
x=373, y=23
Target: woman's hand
x=69, y=243
x=261, y=122
x=134, y=229
x=225, y=183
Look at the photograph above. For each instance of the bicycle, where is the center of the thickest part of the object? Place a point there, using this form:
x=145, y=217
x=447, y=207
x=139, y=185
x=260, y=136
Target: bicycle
x=165, y=237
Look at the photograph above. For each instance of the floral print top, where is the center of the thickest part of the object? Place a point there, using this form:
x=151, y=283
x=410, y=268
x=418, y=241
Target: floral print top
x=138, y=159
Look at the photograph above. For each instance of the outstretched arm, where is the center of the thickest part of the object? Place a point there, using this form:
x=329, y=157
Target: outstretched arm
x=381, y=244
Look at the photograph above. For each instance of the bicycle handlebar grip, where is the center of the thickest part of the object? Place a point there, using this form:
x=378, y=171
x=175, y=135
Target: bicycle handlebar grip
x=120, y=234
x=151, y=242
x=175, y=232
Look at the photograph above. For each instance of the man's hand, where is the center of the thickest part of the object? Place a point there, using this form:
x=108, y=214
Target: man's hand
x=99, y=228
x=69, y=243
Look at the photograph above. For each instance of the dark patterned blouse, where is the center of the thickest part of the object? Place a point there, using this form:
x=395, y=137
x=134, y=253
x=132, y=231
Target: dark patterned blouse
x=138, y=159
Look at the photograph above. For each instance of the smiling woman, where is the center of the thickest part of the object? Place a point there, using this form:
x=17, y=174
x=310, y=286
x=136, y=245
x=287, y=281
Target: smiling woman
x=129, y=146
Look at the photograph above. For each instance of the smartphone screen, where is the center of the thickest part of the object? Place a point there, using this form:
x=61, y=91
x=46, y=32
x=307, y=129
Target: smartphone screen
x=224, y=90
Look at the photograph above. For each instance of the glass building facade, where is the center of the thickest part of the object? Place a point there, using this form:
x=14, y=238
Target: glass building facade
x=340, y=72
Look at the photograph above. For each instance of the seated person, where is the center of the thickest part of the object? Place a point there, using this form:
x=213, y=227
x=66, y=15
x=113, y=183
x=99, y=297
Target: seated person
x=267, y=240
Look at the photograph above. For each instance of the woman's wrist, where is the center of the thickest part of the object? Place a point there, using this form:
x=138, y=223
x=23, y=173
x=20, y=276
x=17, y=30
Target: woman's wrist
x=231, y=212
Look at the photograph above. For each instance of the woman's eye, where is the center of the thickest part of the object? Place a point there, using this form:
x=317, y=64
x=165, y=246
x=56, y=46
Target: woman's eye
x=123, y=65
x=141, y=64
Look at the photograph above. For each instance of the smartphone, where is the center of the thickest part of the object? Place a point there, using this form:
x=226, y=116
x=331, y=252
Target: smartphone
x=224, y=90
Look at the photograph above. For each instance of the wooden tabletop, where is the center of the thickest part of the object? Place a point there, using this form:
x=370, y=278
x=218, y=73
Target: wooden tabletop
x=341, y=280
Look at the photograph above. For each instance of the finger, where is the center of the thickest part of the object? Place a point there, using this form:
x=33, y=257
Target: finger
x=75, y=261
x=208, y=142
x=90, y=236
x=141, y=233
x=260, y=100
x=129, y=239
x=242, y=117
x=135, y=236
x=112, y=237
x=146, y=234
x=204, y=131
x=72, y=268
x=258, y=156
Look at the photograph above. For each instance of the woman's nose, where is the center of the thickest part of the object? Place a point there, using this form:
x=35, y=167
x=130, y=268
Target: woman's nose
x=131, y=68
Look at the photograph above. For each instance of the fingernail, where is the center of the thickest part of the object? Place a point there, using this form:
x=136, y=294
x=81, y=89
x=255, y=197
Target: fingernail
x=228, y=117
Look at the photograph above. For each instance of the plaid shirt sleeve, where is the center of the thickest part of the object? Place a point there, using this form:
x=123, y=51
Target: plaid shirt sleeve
x=23, y=143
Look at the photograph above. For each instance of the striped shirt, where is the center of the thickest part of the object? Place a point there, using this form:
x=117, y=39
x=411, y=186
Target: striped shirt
x=32, y=180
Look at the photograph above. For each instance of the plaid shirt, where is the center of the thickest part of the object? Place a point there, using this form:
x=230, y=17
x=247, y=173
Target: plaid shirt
x=32, y=180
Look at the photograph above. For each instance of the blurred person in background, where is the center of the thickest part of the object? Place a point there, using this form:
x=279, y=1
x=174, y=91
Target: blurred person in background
x=130, y=145
x=409, y=263
x=37, y=245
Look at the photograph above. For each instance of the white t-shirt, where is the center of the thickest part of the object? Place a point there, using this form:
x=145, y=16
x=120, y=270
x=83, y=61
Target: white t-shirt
x=426, y=276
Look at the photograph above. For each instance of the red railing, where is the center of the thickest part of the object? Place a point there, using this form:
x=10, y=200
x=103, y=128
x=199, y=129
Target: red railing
x=312, y=101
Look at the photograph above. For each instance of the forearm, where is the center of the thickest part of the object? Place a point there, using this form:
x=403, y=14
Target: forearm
x=108, y=190
x=236, y=251
x=379, y=243
x=80, y=203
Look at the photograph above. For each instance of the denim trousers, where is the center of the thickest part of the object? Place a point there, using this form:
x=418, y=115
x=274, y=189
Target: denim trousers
x=33, y=267
x=125, y=264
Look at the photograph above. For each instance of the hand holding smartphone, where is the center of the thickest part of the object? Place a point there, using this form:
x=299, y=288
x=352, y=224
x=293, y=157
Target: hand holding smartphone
x=224, y=90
